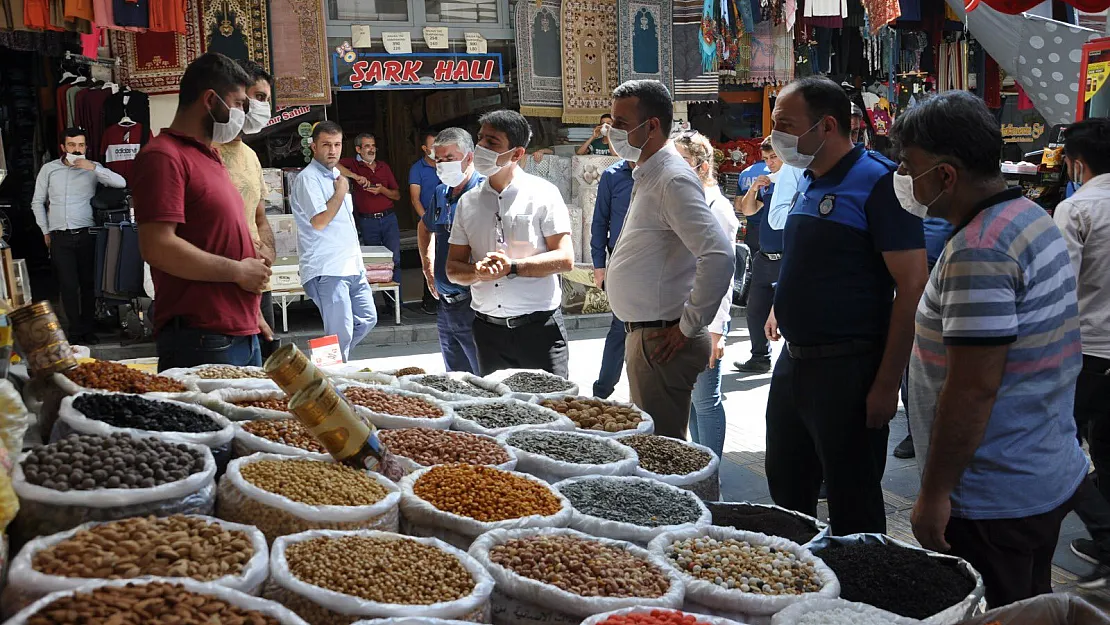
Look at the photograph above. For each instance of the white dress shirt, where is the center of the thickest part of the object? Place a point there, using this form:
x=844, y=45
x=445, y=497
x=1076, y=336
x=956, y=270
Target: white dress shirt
x=1084, y=220
x=672, y=260
x=515, y=221
x=334, y=250
x=726, y=217
x=63, y=195
x=782, y=198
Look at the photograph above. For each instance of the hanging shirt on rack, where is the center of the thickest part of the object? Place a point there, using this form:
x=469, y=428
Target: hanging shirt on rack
x=167, y=16
x=133, y=104
x=36, y=14
x=121, y=146
x=127, y=13
x=78, y=9
x=90, y=116
x=826, y=8
x=61, y=107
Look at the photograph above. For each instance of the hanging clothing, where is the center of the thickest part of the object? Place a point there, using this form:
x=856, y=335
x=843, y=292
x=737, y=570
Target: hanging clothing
x=121, y=146
x=881, y=12
x=134, y=14
x=36, y=14
x=167, y=16
x=89, y=114
x=91, y=43
x=133, y=104
x=992, y=83
x=78, y=9
x=826, y=8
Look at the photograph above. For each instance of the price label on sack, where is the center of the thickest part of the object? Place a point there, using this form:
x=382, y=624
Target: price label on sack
x=325, y=351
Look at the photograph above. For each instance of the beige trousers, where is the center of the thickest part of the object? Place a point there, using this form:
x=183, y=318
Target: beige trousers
x=663, y=390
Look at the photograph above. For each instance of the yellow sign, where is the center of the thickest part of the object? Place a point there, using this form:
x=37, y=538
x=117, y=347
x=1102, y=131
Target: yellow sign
x=1021, y=134
x=1097, y=73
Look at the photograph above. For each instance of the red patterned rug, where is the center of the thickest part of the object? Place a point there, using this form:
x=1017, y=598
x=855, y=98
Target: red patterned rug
x=154, y=62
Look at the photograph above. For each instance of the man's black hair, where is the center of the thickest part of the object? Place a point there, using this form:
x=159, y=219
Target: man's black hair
x=1090, y=140
x=74, y=131
x=604, y=115
x=256, y=72
x=513, y=124
x=955, y=126
x=824, y=98
x=326, y=127
x=211, y=71
x=424, y=134
x=653, y=100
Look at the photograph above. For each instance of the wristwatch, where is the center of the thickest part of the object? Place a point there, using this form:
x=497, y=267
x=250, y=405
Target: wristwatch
x=512, y=268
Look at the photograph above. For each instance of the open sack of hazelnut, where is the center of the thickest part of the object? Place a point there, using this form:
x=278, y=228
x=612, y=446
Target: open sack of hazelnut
x=86, y=477
x=684, y=464
x=602, y=417
x=635, y=509
x=553, y=456
x=144, y=601
x=743, y=575
x=494, y=417
x=283, y=435
x=531, y=384
x=458, y=502
x=196, y=547
x=538, y=581
x=391, y=408
x=331, y=577
x=213, y=377
x=283, y=495
x=416, y=448
x=238, y=404
x=455, y=386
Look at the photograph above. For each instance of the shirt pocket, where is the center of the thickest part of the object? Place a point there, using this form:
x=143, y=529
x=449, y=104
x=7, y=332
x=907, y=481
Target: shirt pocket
x=523, y=236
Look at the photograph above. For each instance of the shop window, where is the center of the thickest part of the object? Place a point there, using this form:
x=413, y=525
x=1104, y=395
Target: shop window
x=468, y=11
x=369, y=10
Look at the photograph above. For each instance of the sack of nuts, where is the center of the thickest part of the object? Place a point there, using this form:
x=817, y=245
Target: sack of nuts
x=150, y=600
x=684, y=464
x=655, y=616
x=283, y=495
x=553, y=456
x=210, y=378
x=332, y=577
x=494, y=417
x=346, y=372
x=276, y=435
x=835, y=611
x=601, y=417
x=411, y=620
x=416, y=448
x=196, y=547
x=622, y=575
x=533, y=384
x=636, y=509
x=391, y=408
x=454, y=387
x=239, y=404
x=107, y=376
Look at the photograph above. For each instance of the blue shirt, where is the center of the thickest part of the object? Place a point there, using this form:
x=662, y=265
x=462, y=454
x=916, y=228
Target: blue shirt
x=750, y=173
x=423, y=174
x=614, y=193
x=834, y=285
x=937, y=231
x=438, y=219
x=786, y=187
x=334, y=250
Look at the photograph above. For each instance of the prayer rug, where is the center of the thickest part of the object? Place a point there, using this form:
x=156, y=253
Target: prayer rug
x=691, y=82
x=645, y=40
x=300, y=60
x=237, y=28
x=590, y=59
x=539, y=46
x=154, y=62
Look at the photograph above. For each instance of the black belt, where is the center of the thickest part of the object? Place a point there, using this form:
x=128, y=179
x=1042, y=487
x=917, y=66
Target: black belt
x=455, y=299
x=75, y=231
x=771, y=255
x=632, y=326
x=831, y=350
x=381, y=215
x=515, y=322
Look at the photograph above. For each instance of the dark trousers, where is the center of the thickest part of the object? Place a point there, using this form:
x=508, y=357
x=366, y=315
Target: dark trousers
x=1014, y=556
x=179, y=346
x=1092, y=415
x=384, y=231
x=612, y=360
x=455, y=323
x=538, y=345
x=817, y=428
x=73, y=254
x=267, y=306
x=761, y=296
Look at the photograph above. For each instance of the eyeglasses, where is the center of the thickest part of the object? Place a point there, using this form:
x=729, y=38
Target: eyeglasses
x=499, y=228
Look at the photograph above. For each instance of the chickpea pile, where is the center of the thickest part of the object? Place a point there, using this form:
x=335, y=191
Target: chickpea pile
x=391, y=403
x=175, y=546
x=228, y=372
x=285, y=431
x=430, y=447
x=739, y=565
x=313, y=482
x=484, y=493
x=145, y=604
x=581, y=566
x=112, y=376
x=400, y=571
x=596, y=414
x=281, y=405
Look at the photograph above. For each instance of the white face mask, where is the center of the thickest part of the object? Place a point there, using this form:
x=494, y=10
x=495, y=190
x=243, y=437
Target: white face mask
x=618, y=140
x=903, y=190
x=485, y=161
x=451, y=173
x=257, y=117
x=73, y=158
x=1077, y=174
x=786, y=146
x=226, y=132
x=773, y=176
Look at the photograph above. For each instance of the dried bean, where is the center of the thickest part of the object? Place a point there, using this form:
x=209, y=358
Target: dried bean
x=596, y=414
x=484, y=493
x=228, y=372
x=87, y=462
x=175, y=546
x=281, y=405
x=667, y=456
x=112, y=376
x=654, y=617
x=314, y=483
x=528, y=382
x=450, y=385
x=431, y=447
x=403, y=371
x=846, y=616
x=285, y=431
x=581, y=566
x=763, y=520
x=145, y=604
x=503, y=415
x=567, y=447
x=132, y=411
x=391, y=403
x=740, y=565
x=639, y=502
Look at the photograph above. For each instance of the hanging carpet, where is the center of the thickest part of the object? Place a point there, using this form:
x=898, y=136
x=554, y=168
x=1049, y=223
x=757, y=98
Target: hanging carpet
x=154, y=62
x=645, y=40
x=692, y=82
x=300, y=62
x=237, y=28
x=589, y=59
x=539, y=47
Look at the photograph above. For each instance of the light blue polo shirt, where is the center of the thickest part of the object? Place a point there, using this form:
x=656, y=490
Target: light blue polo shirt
x=334, y=250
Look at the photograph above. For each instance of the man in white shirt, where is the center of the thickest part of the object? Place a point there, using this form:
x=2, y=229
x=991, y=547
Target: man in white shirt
x=332, y=271
x=509, y=242
x=61, y=204
x=672, y=264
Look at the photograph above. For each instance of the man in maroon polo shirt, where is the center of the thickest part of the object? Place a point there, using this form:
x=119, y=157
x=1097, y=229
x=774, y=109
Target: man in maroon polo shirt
x=374, y=190
x=192, y=231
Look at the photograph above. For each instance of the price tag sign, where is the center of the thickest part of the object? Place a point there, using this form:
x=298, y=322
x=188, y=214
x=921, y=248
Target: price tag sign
x=475, y=43
x=325, y=351
x=360, y=36
x=436, y=37
x=397, y=43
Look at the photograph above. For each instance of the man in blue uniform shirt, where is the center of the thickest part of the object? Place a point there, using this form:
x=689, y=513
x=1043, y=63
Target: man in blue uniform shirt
x=614, y=192
x=454, y=154
x=853, y=271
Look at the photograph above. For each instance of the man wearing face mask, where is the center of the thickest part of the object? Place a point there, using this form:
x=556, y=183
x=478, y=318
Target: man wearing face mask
x=509, y=242
x=996, y=354
x=672, y=264
x=374, y=192
x=246, y=173
x=422, y=192
x=454, y=152
x=852, y=272
x=61, y=204
x=192, y=227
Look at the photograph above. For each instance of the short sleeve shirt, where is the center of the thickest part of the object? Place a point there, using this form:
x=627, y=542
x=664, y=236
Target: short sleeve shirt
x=834, y=285
x=424, y=175
x=185, y=182
x=334, y=250
x=367, y=203
x=439, y=219
x=1006, y=279
x=598, y=147
x=246, y=174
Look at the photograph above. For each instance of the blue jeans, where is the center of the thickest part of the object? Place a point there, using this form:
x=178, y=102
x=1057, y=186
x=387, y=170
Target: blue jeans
x=707, y=410
x=455, y=323
x=384, y=231
x=189, y=347
x=612, y=360
x=347, y=306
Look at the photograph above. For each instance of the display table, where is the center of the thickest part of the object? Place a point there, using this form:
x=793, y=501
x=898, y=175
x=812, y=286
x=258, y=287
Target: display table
x=285, y=281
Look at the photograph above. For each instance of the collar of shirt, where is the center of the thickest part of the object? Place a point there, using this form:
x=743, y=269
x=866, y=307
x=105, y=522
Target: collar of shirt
x=657, y=162
x=319, y=169
x=450, y=201
x=1099, y=184
x=836, y=175
x=1011, y=193
x=193, y=141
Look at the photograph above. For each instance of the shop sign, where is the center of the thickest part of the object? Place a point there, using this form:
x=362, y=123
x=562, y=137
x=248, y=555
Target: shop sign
x=366, y=70
x=288, y=113
x=1097, y=73
x=1025, y=133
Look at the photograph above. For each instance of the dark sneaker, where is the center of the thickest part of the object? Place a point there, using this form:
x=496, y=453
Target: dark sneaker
x=904, y=450
x=1085, y=549
x=428, y=307
x=1097, y=578
x=754, y=365
x=823, y=494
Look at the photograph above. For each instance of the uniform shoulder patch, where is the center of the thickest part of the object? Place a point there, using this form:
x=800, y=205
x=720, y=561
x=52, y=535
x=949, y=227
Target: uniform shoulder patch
x=827, y=204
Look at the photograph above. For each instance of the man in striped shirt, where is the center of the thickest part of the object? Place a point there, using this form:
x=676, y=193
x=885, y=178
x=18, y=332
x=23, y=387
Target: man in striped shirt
x=995, y=358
